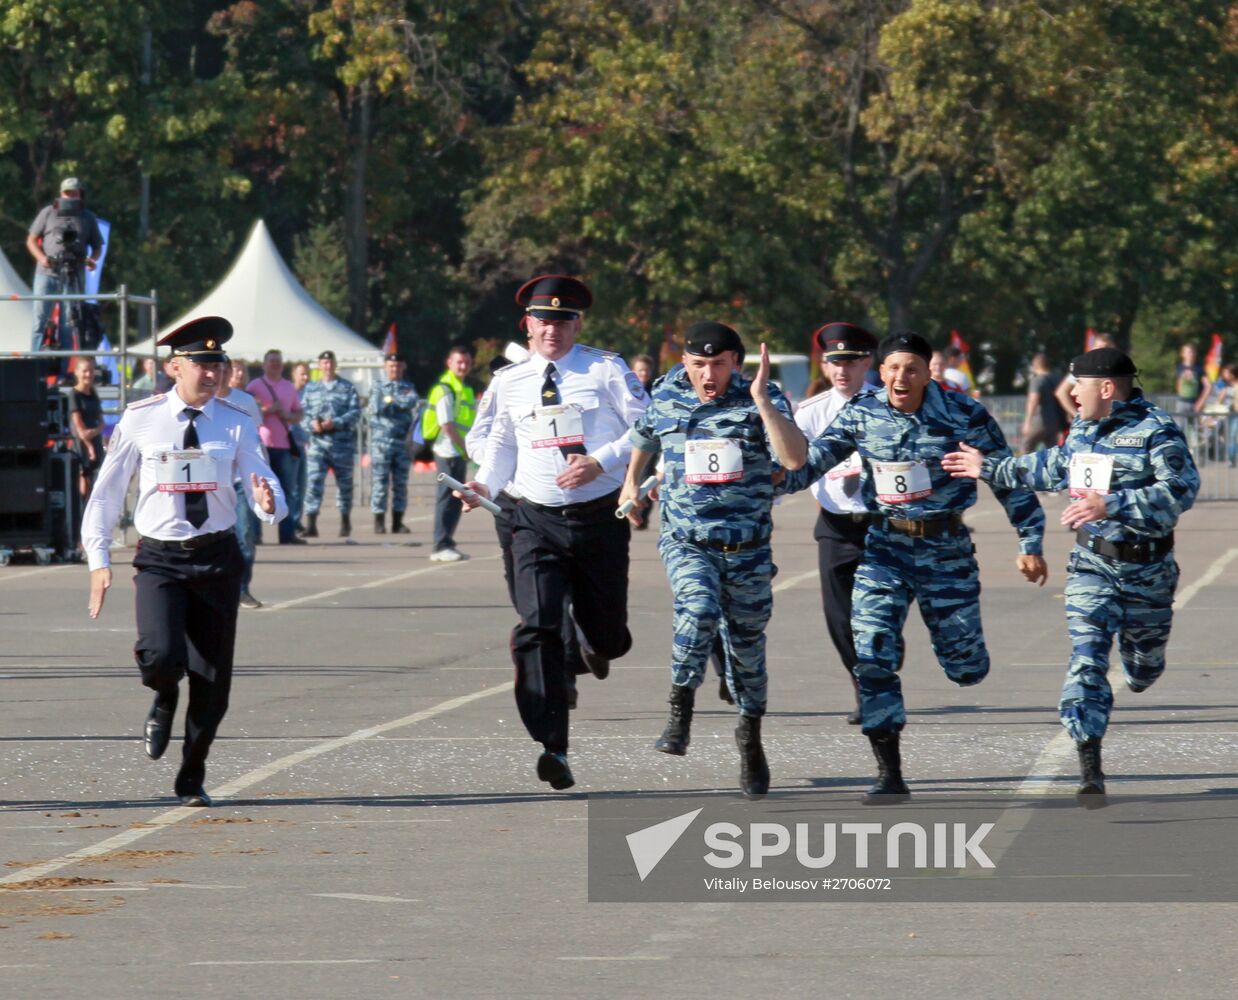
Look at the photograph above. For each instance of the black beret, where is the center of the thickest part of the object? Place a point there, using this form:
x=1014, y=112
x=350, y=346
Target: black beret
x=904, y=343
x=327, y=356
x=1104, y=362
x=554, y=296
x=845, y=340
x=393, y=357
x=709, y=339
x=201, y=339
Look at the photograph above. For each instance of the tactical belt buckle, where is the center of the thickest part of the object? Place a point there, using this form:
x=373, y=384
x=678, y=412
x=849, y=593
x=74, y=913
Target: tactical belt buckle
x=729, y=548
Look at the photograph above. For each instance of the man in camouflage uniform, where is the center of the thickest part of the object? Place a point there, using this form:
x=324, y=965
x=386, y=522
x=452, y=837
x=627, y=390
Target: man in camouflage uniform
x=391, y=407
x=332, y=410
x=1130, y=476
x=917, y=545
x=716, y=499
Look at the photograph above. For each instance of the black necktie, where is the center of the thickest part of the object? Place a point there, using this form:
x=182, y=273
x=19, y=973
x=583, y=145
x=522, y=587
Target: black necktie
x=551, y=397
x=195, y=500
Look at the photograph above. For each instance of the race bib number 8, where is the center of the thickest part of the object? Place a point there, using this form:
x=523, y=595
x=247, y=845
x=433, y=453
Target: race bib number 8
x=184, y=472
x=898, y=482
x=712, y=461
x=1090, y=473
x=557, y=426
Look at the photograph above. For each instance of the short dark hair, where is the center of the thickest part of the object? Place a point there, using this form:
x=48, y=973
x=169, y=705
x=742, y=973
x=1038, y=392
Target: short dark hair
x=647, y=359
x=460, y=348
x=272, y=350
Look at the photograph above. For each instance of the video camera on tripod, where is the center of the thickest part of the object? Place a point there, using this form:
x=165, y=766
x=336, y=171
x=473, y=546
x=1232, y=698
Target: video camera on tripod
x=81, y=319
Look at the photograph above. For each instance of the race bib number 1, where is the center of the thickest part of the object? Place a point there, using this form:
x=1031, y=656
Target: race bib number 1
x=184, y=472
x=1090, y=473
x=557, y=426
x=899, y=482
x=712, y=461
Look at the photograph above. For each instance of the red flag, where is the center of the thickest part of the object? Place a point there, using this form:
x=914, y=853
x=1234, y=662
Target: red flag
x=389, y=345
x=1089, y=340
x=957, y=341
x=1212, y=361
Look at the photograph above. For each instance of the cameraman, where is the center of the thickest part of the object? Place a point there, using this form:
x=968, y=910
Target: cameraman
x=63, y=237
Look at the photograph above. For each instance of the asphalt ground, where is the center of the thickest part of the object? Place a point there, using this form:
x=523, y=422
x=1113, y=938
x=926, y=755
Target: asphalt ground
x=379, y=831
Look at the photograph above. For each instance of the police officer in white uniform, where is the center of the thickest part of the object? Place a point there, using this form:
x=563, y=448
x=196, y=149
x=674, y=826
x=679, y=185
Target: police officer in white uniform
x=846, y=356
x=187, y=448
x=560, y=437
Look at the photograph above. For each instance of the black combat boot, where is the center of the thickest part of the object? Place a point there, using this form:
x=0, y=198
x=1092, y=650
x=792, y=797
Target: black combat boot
x=345, y=524
x=674, y=738
x=753, y=769
x=1091, y=790
x=398, y=527
x=890, y=787
x=311, y=526
x=380, y=525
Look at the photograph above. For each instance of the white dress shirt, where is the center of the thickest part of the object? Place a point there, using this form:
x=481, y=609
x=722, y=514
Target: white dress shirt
x=599, y=386
x=226, y=434
x=830, y=491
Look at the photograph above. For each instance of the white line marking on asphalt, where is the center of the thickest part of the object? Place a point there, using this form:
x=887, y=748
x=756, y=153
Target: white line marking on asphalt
x=5, y=578
x=1213, y=571
x=613, y=958
x=319, y=822
x=297, y=961
x=381, y=582
x=232, y=788
x=362, y=898
x=798, y=578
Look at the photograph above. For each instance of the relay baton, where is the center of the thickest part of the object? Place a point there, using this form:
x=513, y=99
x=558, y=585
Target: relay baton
x=626, y=508
x=455, y=484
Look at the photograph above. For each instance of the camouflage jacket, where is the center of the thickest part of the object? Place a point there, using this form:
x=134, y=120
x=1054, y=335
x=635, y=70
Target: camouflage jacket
x=390, y=409
x=1153, y=479
x=724, y=503
x=881, y=434
x=336, y=399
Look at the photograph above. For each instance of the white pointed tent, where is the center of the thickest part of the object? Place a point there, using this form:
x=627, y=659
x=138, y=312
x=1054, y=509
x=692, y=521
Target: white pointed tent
x=16, y=318
x=269, y=308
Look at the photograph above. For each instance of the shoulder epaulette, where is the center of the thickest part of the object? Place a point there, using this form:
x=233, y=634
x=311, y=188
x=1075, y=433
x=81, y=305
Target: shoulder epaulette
x=598, y=352
x=137, y=404
x=814, y=399
x=231, y=405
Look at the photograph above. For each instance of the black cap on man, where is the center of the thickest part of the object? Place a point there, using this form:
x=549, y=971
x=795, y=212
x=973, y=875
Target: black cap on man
x=1104, y=362
x=709, y=339
x=554, y=297
x=844, y=341
x=200, y=339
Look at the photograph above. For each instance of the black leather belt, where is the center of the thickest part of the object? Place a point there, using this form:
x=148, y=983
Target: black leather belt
x=189, y=544
x=752, y=543
x=847, y=517
x=925, y=529
x=1136, y=552
x=608, y=502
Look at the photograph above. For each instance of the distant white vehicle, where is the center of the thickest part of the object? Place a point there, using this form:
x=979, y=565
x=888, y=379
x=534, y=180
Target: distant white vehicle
x=792, y=372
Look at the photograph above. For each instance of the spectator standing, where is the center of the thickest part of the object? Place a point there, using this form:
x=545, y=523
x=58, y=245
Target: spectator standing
x=450, y=410
x=953, y=374
x=392, y=405
x=643, y=368
x=281, y=409
x=332, y=409
x=1044, y=421
x=144, y=384
x=63, y=239
x=300, y=438
x=86, y=423
x=247, y=523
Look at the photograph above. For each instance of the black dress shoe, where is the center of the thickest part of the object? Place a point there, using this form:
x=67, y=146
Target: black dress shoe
x=552, y=768
x=196, y=797
x=158, y=729
x=571, y=698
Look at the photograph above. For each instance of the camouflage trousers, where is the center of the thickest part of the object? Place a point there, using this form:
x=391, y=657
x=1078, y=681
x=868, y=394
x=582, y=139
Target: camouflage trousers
x=1133, y=601
x=941, y=575
x=389, y=460
x=339, y=458
x=713, y=591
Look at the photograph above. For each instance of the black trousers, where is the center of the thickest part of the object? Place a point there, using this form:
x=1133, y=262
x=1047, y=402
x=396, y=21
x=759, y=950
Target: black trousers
x=840, y=546
x=186, y=612
x=503, y=529
x=556, y=556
